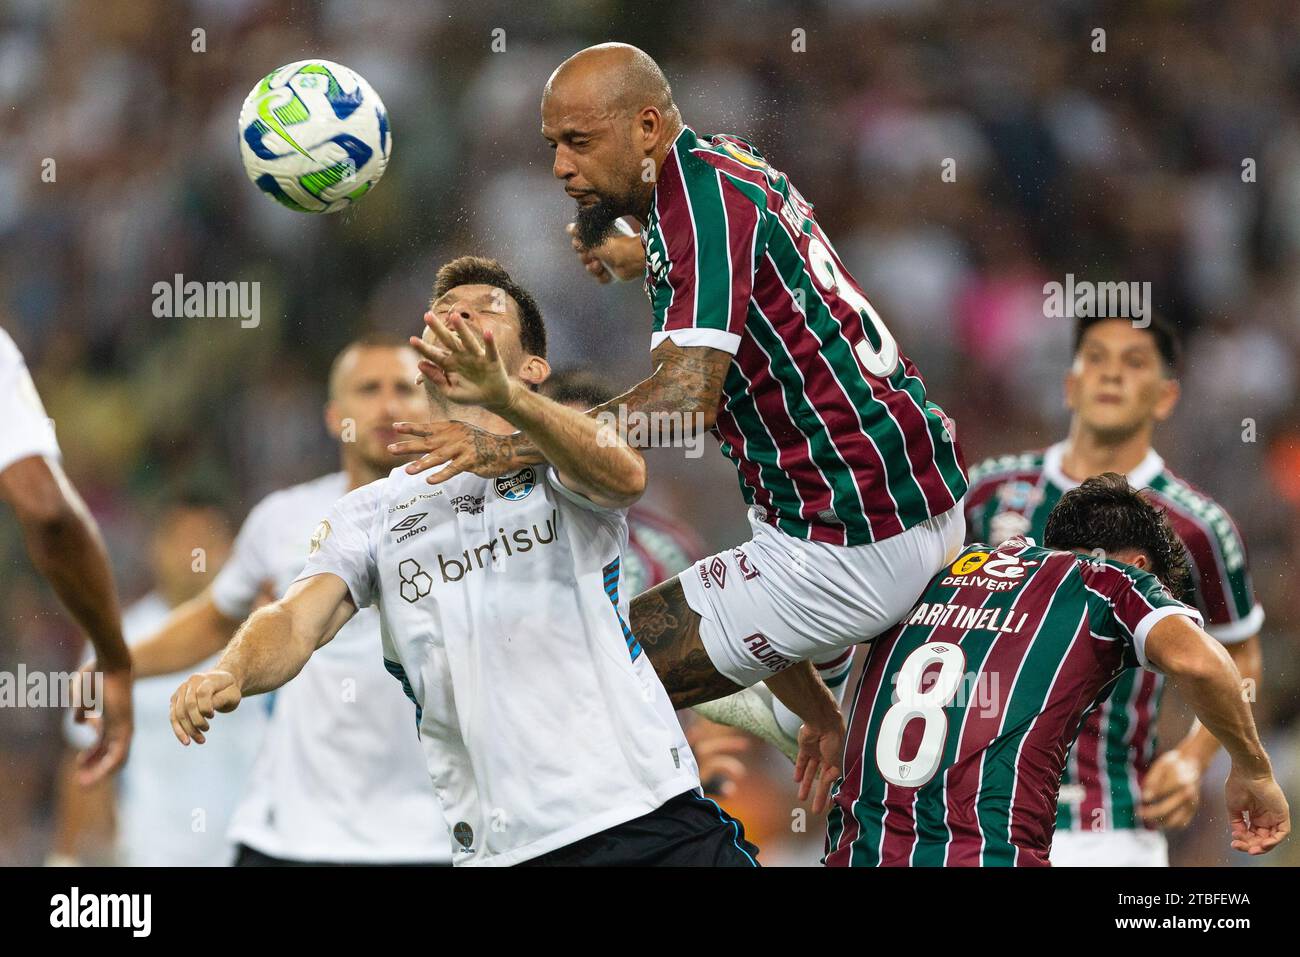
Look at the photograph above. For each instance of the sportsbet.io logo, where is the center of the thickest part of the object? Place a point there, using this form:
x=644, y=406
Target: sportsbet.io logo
x=416, y=582
x=514, y=487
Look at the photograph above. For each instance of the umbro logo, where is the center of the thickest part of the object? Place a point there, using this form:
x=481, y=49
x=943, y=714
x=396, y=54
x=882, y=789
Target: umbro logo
x=409, y=522
x=410, y=526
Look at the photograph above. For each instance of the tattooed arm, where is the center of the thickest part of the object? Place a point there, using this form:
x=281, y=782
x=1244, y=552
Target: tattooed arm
x=681, y=395
x=669, y=632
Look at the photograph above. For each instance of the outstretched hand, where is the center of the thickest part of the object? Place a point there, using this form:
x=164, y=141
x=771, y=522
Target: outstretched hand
x=464, y=364
x=819, y=762
x=459, y=446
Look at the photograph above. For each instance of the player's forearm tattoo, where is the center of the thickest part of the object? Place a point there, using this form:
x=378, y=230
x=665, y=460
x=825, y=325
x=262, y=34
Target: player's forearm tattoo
x=669, y=631
x=686, y=381
x=504, y=452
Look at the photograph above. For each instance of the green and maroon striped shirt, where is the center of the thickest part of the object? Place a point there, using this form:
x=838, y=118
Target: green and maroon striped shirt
x=826, y=421
x=1012, y=495
x=967, y=707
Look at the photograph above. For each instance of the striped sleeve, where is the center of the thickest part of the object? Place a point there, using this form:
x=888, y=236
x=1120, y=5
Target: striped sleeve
x=1136, y=601
x=708, y=229
x=984, y=482
x=1224, y=591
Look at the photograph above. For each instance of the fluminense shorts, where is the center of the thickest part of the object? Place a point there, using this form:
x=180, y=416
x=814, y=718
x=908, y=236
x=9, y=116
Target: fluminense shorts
x=778, y=599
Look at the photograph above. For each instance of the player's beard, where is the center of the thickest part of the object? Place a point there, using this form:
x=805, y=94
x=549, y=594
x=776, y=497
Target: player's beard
x=594, y=222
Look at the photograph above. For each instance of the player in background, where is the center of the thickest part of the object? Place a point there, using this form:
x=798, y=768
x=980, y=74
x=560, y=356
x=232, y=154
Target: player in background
x=1121, y=384
x=548, y=734
x=340, y=778
x=64, y=543
x=658, y=547
x=852, y=476
x=966, y=708
x=169, y=811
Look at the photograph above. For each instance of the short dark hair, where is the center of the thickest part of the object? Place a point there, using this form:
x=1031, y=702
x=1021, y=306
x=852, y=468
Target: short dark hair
x=1165, y=334
x=579, y=385
x=481, y=271
x=174, y=501
x=375, y=339
x=1106, y=513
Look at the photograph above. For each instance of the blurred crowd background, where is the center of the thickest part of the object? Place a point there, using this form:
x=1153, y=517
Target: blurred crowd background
x=1125, y=165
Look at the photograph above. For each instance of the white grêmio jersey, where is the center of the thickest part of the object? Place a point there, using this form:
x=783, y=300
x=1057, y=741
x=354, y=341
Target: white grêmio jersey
x=27, y=429
x=543, y=721
x=341, y=776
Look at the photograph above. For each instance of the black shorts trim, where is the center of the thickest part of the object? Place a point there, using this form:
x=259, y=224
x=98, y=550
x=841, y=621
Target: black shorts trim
x=686, y=831
x=246, y=856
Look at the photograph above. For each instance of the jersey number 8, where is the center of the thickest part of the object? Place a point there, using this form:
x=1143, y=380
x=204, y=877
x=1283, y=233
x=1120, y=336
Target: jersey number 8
x=927, y=705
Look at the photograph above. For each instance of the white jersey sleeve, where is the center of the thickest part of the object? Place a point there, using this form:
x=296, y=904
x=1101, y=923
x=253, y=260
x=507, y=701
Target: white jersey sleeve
x=27, y=429
x=580, y=500
x=343, y=544
x=249, y=568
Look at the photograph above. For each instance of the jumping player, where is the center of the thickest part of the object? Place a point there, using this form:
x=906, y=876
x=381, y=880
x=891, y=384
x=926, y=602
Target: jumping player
x=853, y=477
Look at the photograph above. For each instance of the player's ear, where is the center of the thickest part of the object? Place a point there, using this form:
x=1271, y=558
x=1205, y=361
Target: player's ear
x=1169, y=393
x=650, y=125
x=1071, y=386
x=534, y=370
x=333, y=419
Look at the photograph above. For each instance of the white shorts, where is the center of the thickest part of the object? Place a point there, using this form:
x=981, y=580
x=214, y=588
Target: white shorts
x=1124, y=848
x=778, y=599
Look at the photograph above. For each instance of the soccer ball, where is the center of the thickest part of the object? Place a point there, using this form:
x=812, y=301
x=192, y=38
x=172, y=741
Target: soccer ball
x=314, y=136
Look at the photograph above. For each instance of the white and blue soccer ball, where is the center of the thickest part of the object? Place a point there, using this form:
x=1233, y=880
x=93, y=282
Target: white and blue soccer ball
x=314, y=136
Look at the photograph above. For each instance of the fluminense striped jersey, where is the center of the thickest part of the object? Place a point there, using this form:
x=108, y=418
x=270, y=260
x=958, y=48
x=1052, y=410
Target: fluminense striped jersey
x=826, y=421
x=1011, y=496
x=966, y=708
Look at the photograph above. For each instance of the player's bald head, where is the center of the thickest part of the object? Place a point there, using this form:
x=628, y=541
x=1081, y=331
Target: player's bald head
x=611, y=79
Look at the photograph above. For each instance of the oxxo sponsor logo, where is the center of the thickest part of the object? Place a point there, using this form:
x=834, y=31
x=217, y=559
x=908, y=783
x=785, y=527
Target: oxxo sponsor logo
x=179, y=299
x=75, y=909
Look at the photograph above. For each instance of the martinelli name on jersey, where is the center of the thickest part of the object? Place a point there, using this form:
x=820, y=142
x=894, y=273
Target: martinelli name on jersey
x=966, y=708
x=826, y=421
x=1012, y=495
